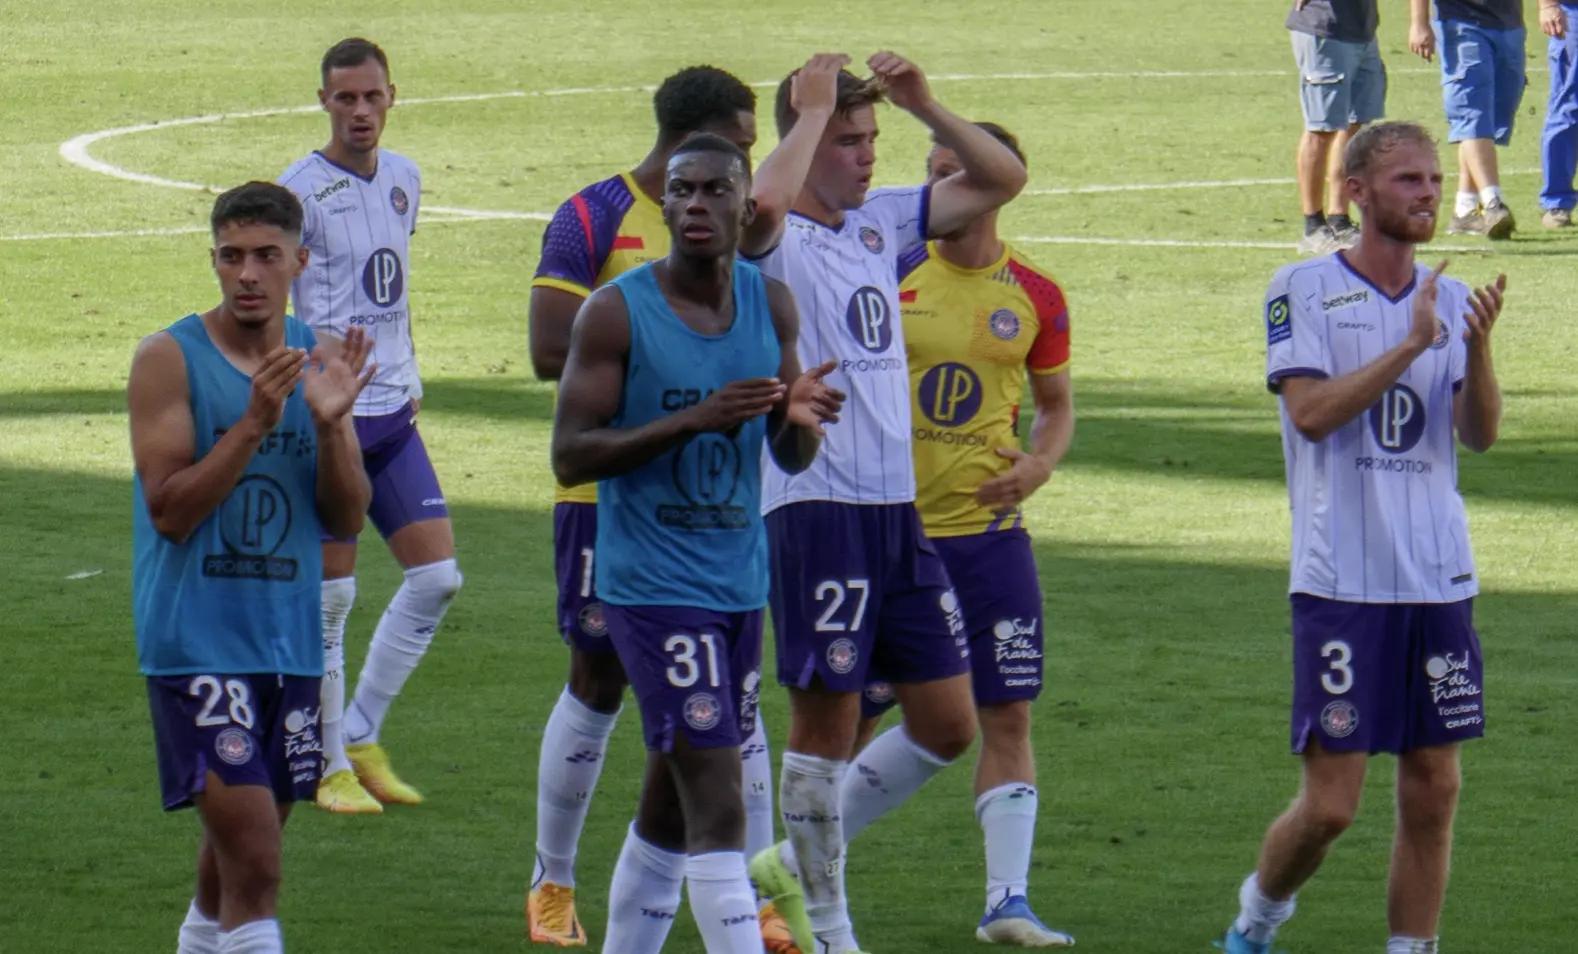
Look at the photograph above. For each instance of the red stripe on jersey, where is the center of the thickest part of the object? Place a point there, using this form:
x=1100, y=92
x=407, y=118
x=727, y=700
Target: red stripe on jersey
x=1051, y=347
x=628, y=243
x=585, y=214
x=907, y=296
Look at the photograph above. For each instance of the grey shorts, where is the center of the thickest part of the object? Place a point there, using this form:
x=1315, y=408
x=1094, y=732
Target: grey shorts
x=1340, y=83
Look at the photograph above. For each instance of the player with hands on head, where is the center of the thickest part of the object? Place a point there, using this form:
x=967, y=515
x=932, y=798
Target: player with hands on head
x=854, y=578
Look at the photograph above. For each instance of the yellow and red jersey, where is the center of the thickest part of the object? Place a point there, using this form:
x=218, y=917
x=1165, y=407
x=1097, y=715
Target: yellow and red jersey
x=972, y=335
x=599, y=233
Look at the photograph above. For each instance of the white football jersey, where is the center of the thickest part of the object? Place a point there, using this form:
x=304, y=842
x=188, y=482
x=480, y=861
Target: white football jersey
x=358, y=232
x=1376, y=513
x=845, y=284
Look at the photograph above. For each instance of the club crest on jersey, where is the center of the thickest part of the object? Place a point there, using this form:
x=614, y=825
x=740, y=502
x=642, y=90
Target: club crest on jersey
x=592, y=620
x=398, y=201
x=1339, y=719
x=1004, y=324
x=702, y=711
x=234, y=746
x=1279, y=320
x=872, y=240
x=841, y=655
x=1442, y=336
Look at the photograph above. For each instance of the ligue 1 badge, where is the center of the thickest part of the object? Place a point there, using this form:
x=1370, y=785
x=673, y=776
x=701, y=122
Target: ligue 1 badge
x=871, y=239
x=398, y=200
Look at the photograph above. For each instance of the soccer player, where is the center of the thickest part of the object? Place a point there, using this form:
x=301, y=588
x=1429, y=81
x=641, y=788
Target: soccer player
x=1559, y=140
x=361, y=203
x=855, y=581
x=675, y=382
x=602, y=231
x=1379, y=363
x=244, y=453
x=977, y=317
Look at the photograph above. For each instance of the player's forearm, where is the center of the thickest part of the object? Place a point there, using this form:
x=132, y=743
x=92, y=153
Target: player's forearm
x=793, y=447
x=781, y=176
x=1052, y=433
x=989, y=166
x=584, y=456
x=343, y=491
x=1418, y=12
x=1325, y=406
x=186, y=498
x=1480, y=421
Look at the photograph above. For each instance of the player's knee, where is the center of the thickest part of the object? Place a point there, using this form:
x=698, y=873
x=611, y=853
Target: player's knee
x=597, y=680
x=1326, y=819
x=1005, y=726
x=253, y=879
x=1427, y=795
x=946, y=736
x=438, y=582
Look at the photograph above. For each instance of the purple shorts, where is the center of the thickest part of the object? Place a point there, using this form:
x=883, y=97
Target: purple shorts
x=581, y=616
x=856, y=586
x=1385, y=677
x=405, y=487
x=995, y=576
x=694, y=671
x=256, y=729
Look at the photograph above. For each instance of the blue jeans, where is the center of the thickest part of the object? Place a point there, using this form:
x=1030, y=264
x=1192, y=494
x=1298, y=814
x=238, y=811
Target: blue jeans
x=1559, y=143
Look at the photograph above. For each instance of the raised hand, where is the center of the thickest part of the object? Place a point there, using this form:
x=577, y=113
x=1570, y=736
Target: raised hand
x=272, y=383
x=814, y=86
x=812, y=402
x=1012, y=487
x=1425, y=326
x=334, y=381
x=904, y=82
x=1484, y=308
x=735, y=403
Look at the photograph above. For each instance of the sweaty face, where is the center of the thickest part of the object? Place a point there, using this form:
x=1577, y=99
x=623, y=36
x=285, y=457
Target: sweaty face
x=256, y=264
x=841, y=168
x=741, y=131
x=1402, y=192
x=357, y=99
x=706, y=202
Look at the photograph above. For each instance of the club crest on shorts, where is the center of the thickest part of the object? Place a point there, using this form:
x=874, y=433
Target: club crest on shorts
x=841, y=655
x=592, y=621
x=1339, y=719
x=702, y=711
x=872, y=240
x=880, y=693
x=1003, y=324
x=398, y=201
x=233, y=746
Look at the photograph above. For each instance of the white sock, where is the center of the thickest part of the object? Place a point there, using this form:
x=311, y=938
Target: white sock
x=1489, y=195
x=643, y=898
x=402, y=637
x=253, y=937
x=199, y=933
x=723, y=903
x=1399, y=944
x=756, y=776
x=1007, y=815
x=338, y=597
x=809, y=802
x=1259, y=916
x=1466, y=203
x=883, y=776
x=568, y=765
